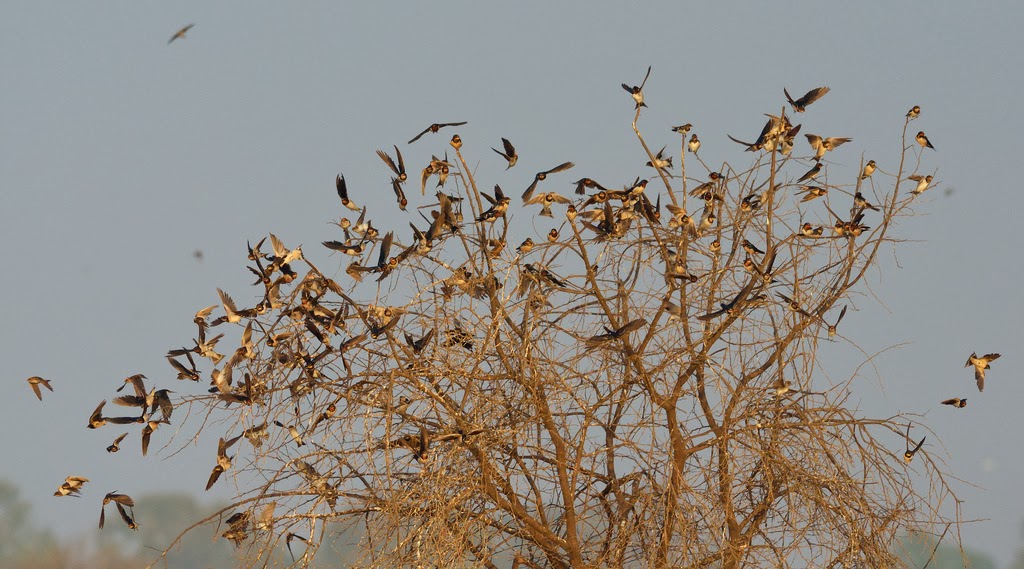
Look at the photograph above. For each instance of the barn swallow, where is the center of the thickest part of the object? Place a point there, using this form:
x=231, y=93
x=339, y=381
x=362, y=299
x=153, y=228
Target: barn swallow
x=922, y=183
x=801, y=104
x=923, y=140
x=823, y=145
x=418, y=345
x=342, y=188
x=147, y=433
x=434, y=128
x=869, y=169
x=792, y=304
x=660, y=162
x=400, y=198
x=860, y=201
x=238, y=523
x=399, y=170
x=525, y=247
x=638, y=92
x=909, y=454
x=715, y=246
x=609, y=335
x=326, y=415
x=731, y=306
x=808, y=230
x=682, y=129
x=553, y=235
x=812, y=173
x=35, y=381
x=293, y=431
x=509, y=154
x=694, y=144
x=812, y=192
x=541, y=176
x=750, y=248
x=707, y=221
x=584, y=183
x=956, y=402
x=223, y=460
x=913, y=113
x=256, y=434
x=980, y=365
x=750, y=203
x=121, y=501
x=115, y=446
x=180, y=34
x=833, y=327
x=571, y=213
x=546, y=200
x=183, y=371
x=97, y=419
x=72, y=486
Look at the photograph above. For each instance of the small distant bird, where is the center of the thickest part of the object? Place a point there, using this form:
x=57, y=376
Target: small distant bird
x=956, y=402
x=922, y=183
x=923, y=140
x=553, y=235
x=541, y=176
x=115, y=446
x=399, y=170
x=913, y=113
x=121, y=501
x=869, y=169
x=509, y=154
x=72, y=486
x=980, y=365
x=660, y=162
x=223, y=460
x=682, y=129
x=97, y=419
x=860, y=201
x=525, y=247
x=694, y=144
x=638, y=92
x=823, y=145
x=812, y=173
x=35, y=381
x=609, y=334
x=832, y=327
x=909, y=454
x=812, y=192
x=342, y=188
x=801, y=104
x=434, y=128
x=547, y=200
x=293, y=431
x=808, y=230
x=180, y=34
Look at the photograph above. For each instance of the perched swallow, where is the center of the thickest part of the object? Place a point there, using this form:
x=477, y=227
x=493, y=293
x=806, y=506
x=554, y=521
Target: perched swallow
x=715, y=246
x=980, y=365
x=923, y=140
x=434, y=128
x=801, y=104
x=923, y=182
x=860, y=201
x=823, y=145
x=180, y=34
x=553, y=235
x=541, y=176
x=638, y=92
x=509, y=154
x=694, y=144
x=35, y=381
x=546, y=200
x=812, y=192
x=660, y=162
x=525, y=247
x=456, y=142
x=121, y=501
x=115, y=446
x=399, y=170
x=869, y=169
x=812, y=173
x=792, y=304
x=956, y=402
x=682, y=129
x=808, y=230
x=750, y=248
x=913, y=113
x=339, y=183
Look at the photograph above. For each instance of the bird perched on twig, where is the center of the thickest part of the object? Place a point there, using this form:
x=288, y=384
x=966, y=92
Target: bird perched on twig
x=637, y=92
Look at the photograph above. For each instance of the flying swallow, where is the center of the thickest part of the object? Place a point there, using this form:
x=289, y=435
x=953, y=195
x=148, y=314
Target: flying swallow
x=823, y=145
x=792, y=304
x=660, y=162
x=922, y=183
x=812, y=173
x=812, y=192
x=980, y=365
x=293, y=431
x=35, y=381
x=909, y=454
x=399, y=170
x=913, y=113
x=801, y=104
x=546, y=200
x=72, y=486
x=610, y=335
x=238, y=523
x=584, y=183
x=434, y=128
x=115, y=446
x=638, y=92
x=342, y=188
x=694, y=144
x=147, y=432
x=956, y=402
x=97, y=419
x=180, y=34
x=731, y=306
x=923, y=140
x=121, y=501
x=541, y=176
x=223, y=460
x=509, y=154
x=869, y=169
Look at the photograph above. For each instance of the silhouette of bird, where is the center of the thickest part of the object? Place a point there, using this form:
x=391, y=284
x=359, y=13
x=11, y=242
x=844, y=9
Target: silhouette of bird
x=180, y=34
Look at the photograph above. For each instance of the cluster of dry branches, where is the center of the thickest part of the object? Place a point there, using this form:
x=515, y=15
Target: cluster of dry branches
x=635, y=388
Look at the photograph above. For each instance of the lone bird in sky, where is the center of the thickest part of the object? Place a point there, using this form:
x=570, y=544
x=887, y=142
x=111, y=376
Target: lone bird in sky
x=180, y=34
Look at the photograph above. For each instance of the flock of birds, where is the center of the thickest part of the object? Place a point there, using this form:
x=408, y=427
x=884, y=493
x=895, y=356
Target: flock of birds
x=607, y=213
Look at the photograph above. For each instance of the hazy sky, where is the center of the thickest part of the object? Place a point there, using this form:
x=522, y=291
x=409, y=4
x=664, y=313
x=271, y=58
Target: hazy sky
x=120, y=155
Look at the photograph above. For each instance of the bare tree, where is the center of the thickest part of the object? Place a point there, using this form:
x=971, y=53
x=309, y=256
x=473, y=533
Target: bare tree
x=639, y=387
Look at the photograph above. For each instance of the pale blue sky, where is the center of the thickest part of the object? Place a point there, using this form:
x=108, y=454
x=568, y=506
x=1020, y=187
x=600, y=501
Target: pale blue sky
x=120, y=155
